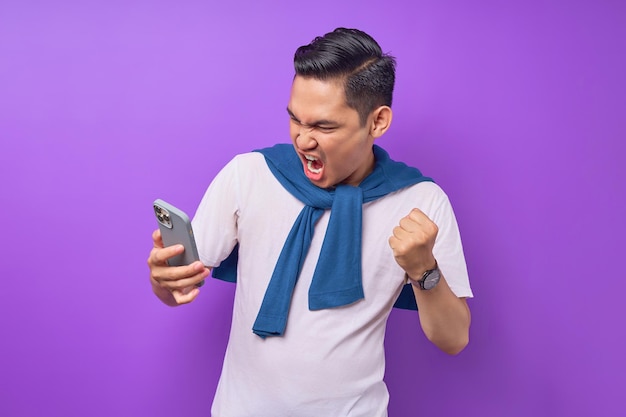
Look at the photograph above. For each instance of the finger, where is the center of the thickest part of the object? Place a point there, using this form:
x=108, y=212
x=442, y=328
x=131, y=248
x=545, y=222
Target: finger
x=417, y=214
x=418, y=221
x=159, y=256
x=419, y=217
x=166, y=273
x=398, y=245
x=408, y=224
x=156, y=239
x=186, y=296
x=400, y=233
x=181, y=283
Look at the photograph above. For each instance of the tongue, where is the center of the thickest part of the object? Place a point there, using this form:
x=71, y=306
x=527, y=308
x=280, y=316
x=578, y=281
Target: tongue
x=313, y=165
x=316, y=164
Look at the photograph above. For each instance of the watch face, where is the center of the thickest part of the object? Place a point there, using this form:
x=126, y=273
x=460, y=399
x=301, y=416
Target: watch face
x=431, y=279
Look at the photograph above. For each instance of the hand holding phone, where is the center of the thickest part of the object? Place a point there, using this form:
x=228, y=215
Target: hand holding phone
x=176, y=229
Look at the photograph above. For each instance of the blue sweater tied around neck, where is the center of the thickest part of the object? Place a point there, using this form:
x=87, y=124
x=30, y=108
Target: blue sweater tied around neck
x=337, y=277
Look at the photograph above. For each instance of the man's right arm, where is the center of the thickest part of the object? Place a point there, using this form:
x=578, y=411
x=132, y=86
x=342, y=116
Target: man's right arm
x=173, y=285
x=217, y=215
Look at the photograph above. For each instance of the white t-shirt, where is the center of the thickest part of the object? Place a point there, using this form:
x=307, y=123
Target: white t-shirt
x=329, y=362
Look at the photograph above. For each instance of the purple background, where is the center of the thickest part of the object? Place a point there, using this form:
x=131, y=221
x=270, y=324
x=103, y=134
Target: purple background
x=516, y=108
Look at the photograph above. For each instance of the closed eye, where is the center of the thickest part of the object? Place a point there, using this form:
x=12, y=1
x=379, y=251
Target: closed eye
x=324, y=126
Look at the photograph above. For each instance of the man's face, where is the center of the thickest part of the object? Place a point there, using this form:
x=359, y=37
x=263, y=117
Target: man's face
x=327, y=134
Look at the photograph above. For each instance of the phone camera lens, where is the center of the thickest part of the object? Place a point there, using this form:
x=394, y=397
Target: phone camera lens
x=167, y=218
x=160, y=218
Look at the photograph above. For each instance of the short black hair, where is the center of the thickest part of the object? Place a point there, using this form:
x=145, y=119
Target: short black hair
x=354, y=57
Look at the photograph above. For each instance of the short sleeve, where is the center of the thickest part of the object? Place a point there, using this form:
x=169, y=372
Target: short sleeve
x=215, y=221
x=448, y=249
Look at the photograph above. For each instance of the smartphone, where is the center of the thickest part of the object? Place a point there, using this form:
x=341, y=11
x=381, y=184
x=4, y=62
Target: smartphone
x=176, y=229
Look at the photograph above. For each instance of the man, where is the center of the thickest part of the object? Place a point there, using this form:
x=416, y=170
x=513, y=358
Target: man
x=321, y=238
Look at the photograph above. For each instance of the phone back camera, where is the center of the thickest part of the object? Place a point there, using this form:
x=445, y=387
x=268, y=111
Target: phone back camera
x=163, y=216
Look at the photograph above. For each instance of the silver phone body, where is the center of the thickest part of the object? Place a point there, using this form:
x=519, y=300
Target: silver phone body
x=176, y=229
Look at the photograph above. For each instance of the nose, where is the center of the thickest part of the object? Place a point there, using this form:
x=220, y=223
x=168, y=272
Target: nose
x=305, y=139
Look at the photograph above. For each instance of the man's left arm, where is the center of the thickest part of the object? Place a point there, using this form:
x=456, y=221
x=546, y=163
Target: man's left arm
x=444, y=317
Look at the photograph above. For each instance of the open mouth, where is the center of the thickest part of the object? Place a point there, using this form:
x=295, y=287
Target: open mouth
x=313, y=164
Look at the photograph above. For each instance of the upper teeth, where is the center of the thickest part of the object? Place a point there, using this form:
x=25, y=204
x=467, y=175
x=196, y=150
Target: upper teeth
x=310, y=158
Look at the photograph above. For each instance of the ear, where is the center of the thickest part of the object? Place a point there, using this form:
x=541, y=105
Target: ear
x=380, y=121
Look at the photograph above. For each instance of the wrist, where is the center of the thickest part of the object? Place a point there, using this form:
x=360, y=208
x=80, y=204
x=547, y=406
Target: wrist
x=427, y=280
x=417, y=273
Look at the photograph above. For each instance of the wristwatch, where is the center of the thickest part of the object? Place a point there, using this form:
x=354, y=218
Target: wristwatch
x=429, y=279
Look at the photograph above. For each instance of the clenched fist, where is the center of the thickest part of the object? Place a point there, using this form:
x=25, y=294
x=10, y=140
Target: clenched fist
x=412, y=243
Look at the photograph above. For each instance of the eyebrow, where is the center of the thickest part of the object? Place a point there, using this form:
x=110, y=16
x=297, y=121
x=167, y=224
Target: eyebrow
x=317, y=123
